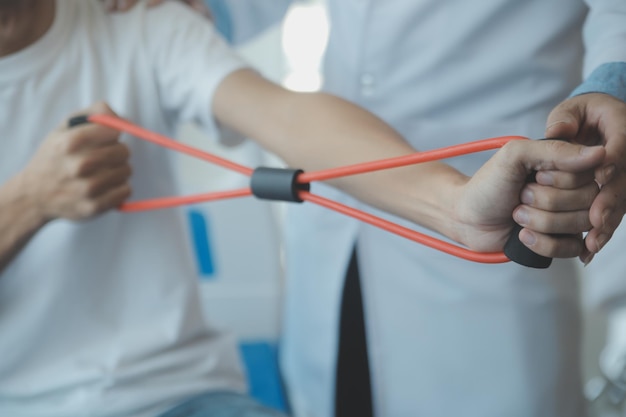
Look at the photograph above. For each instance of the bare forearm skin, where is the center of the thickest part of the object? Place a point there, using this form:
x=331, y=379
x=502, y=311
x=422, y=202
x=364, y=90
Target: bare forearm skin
x=317, y=131
x=20, y=219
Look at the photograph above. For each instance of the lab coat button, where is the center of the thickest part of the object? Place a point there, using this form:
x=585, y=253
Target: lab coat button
x=367, y=79
x=367, y=84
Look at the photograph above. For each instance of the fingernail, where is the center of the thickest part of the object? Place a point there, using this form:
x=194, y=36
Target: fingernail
x=521, y=217
x=586, y=260
x=588, y=150
x=601, y=241
x=527, y=196
x=527, y=238
x=544, y=178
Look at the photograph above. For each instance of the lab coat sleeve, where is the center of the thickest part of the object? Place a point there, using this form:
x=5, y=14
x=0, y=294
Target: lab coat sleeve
x=241, y=20
x=605, y=45
x=604, y=34
x=608, y=78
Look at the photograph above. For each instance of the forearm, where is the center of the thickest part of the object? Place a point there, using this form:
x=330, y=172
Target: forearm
x=20, y=219
x=318, y=131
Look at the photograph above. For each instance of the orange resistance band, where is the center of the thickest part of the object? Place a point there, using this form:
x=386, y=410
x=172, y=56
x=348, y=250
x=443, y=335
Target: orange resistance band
x=305, y=178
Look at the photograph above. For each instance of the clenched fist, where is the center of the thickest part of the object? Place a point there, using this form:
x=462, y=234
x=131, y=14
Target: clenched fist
x=79, y=172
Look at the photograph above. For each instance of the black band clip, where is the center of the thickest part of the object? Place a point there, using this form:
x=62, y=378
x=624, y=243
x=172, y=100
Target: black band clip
x=279, y=184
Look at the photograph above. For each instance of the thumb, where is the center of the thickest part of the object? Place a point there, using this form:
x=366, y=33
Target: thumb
x=100, y=107
x=89, y=135
x=525, y=157
x=564, y=121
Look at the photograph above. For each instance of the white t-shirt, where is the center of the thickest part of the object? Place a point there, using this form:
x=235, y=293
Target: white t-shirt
x=102, y=318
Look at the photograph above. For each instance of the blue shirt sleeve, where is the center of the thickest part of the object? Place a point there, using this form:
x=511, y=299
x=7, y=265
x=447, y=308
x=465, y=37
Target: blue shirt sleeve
x=608, y=78
x=222, y=18
x=239, y=21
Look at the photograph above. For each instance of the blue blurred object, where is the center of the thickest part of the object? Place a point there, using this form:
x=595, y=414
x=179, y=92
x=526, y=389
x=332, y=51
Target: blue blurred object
x=221, y=18
x=199, y=227
x=261, y=362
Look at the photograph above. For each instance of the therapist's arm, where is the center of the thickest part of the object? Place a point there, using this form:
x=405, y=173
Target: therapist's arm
x=315, y=131
x=75, y=174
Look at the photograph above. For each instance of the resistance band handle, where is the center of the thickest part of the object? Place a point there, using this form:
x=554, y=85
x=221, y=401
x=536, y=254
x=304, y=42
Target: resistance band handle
x=519, y=253
x=78, y=120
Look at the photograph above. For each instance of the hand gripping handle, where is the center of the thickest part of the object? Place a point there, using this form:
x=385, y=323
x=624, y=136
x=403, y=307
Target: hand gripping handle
x=516, y=251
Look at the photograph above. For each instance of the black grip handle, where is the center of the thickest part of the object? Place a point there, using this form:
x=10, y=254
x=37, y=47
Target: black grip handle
x=519, y=253
x=78, y=120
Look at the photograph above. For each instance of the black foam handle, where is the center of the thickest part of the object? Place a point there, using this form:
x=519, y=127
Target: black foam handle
x=519, y=253
x=78, y=120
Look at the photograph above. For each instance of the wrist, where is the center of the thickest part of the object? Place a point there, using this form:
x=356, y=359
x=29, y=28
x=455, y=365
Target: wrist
x=453, y=221
x=435, y=202
x=24, y=194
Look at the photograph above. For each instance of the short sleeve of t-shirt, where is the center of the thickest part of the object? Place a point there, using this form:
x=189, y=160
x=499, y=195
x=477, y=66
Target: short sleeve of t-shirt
x=189, y=61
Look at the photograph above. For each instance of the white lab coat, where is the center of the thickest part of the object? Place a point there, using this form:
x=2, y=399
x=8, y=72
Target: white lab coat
x=446, y=337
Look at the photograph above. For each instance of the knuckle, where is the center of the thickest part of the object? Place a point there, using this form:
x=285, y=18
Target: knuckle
x=74, y=140
x=124, y=151
x=100, y=106
x=551, y=247
x=511, y=151
x=127, y=172
x=81, y=167
x=557, y=146
x=567, y=246
x=88, y=208
x=567, y=180
x=125, y=193
x=91, y=188
x=583, y=223
x=511, y=148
